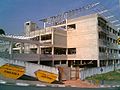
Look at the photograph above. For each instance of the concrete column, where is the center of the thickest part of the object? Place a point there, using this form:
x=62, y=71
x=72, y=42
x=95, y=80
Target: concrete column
x=52, y=37
x=39, y=53
x=60, y=62
x=52, y=47
x=26, y=48
x=66, y=51
x=98, y=63
x=80, y=62
x=11, y=49
x=113, y=62
x=66, y=55
x=21, y=48
x=67, y=62
x=118, y=61
x=106, y=62
x=38, y=49
x=44, y=25
x=71, y=64
x=52, y=56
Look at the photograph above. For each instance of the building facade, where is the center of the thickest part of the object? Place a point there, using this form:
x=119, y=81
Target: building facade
x=86, y=41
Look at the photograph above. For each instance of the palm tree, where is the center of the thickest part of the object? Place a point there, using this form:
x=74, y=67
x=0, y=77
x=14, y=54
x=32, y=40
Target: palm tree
x=2, y=32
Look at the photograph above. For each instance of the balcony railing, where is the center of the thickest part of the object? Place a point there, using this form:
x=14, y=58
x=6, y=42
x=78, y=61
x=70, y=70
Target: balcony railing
x=102, y=56
x=47, y=30
x=36, y=57
x=113, y=35
x=105, y=56
x=46, y=42
x=103, y=30
x=103, y=42
x=113, y=45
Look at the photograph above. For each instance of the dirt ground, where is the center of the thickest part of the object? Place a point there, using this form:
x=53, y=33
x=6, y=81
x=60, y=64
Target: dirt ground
x=79, y=83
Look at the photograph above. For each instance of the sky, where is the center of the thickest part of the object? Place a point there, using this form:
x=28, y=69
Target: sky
x=14, y=13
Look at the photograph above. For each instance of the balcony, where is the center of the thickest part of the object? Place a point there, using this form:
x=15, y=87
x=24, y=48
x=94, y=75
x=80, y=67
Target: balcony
x=103, y=42
x=113, y=56
x=103, y=30
x=105, y=56
x=113, y=35
x=46, y=31
x=49, y=57
x=112, y=45
x=46, y=42
x=25, y=57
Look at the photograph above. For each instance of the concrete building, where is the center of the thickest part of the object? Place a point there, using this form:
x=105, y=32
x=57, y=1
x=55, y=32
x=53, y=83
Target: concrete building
x=86, y=41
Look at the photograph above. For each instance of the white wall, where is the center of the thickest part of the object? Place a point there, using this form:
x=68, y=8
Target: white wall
x=84, y=38
x=30, y=68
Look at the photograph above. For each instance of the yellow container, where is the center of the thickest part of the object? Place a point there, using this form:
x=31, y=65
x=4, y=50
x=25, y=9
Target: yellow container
x=12, y=71
x=45, y=76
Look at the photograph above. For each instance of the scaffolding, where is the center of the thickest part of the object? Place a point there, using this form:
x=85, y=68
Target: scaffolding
x=62, y=18
x=95, y=7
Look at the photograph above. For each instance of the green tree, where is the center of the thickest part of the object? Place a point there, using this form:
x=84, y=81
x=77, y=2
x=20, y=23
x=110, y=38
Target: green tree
x=2, y=32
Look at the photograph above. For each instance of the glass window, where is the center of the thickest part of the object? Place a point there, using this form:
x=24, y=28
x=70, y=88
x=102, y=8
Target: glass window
x=59, y=51
x=71, y=50
x=46, y=37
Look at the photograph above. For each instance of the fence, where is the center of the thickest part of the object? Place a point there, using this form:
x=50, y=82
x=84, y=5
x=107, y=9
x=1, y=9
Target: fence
x=99, y=70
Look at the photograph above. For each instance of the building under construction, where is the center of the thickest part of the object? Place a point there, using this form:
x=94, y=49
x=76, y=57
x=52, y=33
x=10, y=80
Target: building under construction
x=71, y=39
x=86, y=41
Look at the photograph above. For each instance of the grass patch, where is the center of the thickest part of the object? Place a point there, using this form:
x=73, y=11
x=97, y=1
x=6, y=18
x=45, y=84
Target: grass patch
x=110, y=76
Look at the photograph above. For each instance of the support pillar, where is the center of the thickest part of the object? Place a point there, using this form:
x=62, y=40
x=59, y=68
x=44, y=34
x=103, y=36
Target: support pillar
x=67, y=62
x=44, y=25
x=71, y=64
x=67, y=55
x=114, y=64
x=39, y=53
x=21, y=48
x=66, y=51
x=60, y=62
x=11, y=50
x=118, y=61
x=80, y=62
x=106, y=62
x=52, y=56
x=98, y=63
x=52, y=47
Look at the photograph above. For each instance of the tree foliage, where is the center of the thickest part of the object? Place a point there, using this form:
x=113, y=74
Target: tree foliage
x=2, y=32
